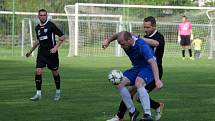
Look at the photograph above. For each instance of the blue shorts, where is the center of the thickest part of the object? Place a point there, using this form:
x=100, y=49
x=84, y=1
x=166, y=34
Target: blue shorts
x=145, y=73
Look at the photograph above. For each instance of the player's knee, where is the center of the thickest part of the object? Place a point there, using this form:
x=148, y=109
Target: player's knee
x=38, y=71
x=55, y=73
x=133, y=90
x=139, y=83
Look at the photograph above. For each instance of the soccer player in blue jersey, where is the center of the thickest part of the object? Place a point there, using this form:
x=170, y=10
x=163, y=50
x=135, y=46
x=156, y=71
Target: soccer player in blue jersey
x=143, y=72
x=47, y=52
x=156, y=41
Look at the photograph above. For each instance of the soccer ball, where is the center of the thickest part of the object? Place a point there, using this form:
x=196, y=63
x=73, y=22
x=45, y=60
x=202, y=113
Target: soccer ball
x=115, y=76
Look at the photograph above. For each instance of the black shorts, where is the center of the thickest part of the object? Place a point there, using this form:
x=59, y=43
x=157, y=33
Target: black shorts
x=185, y=40
x=51, y=61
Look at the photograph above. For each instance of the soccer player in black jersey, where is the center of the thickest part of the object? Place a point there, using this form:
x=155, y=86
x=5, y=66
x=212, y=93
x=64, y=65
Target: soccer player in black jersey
x=151, y=34
x=47, y=52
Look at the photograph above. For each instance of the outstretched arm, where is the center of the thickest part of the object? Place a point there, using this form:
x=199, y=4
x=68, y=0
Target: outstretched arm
x=151, y=42
x=107, y=41
x=35, y=45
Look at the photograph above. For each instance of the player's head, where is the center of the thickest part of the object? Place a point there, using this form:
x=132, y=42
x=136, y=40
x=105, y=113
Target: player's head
x=149, y=25
x=125, y=39
x=42, y=15
x=184, y=18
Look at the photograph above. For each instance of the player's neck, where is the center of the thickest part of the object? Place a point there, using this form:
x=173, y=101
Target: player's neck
x=43, y=23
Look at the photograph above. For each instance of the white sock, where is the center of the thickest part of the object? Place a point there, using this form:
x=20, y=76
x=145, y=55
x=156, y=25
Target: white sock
x=158, y=110
x=38, y=92
x=144, y=99
x=57, y=90
x=126, y=97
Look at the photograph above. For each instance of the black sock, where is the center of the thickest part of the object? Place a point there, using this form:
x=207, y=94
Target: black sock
x=38, y=81
x=183, y=53
x=154, y=104
x=190, y=52
x=57, y=81
x=122, y=109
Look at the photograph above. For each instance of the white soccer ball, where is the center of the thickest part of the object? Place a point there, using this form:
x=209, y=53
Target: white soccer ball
x=115, y=76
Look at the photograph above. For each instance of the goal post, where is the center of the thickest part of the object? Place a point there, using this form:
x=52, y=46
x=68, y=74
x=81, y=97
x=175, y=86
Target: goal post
x=77, y=20
x=211, y=16
x=168, y=18
x=27, y=37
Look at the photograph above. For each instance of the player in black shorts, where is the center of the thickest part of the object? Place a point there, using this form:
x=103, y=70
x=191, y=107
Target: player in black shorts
x=47, y=52
x=151, y=34
x=185, y=35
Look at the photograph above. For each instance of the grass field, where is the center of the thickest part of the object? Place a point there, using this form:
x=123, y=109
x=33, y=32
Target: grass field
x=88, y=96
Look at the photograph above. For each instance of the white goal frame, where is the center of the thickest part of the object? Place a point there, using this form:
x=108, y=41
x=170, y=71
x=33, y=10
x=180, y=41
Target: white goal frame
x=23, y=35
x=77, y=15
x=212, y=36
x=78, y=5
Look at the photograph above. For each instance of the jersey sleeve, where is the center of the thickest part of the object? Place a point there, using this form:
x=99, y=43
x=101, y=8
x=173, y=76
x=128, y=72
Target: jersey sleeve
x=146, y=52
x=36, y=31
x=56, y=30
x=160, y=39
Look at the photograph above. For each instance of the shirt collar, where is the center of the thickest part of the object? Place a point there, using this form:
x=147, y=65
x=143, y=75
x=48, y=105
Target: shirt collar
x=153, y=33
x=44, y=23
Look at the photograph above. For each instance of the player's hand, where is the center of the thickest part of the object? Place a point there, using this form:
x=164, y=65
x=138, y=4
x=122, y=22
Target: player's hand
x=53, y=50
x=28, y=54
x=105, y=43
x=159, y=84
x=179, y=39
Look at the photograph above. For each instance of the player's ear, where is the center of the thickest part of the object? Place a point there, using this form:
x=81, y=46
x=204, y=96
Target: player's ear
x=130, y=40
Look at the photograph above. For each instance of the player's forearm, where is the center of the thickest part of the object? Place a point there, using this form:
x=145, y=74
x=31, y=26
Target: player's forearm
x=151, y=42
x=61, y=39
x=154, y=69
x=112, y=38
x=36, y=43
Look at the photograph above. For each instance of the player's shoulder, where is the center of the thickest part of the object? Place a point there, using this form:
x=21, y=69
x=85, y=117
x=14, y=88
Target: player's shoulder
x=37, y=26
x=141, y=44
x=159, y=34
x=140, y=41
x=50, y=23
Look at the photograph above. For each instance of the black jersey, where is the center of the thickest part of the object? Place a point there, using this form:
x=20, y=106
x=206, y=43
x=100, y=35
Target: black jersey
x=46, y=36
x=159, y=50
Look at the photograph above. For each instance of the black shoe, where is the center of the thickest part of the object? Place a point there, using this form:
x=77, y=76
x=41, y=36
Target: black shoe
x=133, y=116
x=146, y=117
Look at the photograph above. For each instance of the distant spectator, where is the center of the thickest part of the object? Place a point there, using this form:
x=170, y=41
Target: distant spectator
x=197, y=43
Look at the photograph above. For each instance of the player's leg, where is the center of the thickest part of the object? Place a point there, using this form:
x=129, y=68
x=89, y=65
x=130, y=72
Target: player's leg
x=40, y=63
x=144, y=98
x=53, y=65
x=57, y=80
x=122, y=107
x=129, y=79
x=182, y=43
x=38, y=82
x=188, y=42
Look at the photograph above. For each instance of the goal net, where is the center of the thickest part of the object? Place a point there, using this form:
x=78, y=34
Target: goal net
x=211, y=16
x=90, y=23
x=86, y=30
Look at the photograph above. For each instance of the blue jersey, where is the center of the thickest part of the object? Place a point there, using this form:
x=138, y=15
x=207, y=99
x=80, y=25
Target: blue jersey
x=140, y=53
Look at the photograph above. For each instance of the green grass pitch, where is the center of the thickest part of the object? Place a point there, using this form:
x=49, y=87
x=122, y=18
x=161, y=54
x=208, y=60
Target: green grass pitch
x=87, y=95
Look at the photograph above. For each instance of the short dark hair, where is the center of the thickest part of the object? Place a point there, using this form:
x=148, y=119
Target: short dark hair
x=150, y=19
x=42, y=10
x=184, y=16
